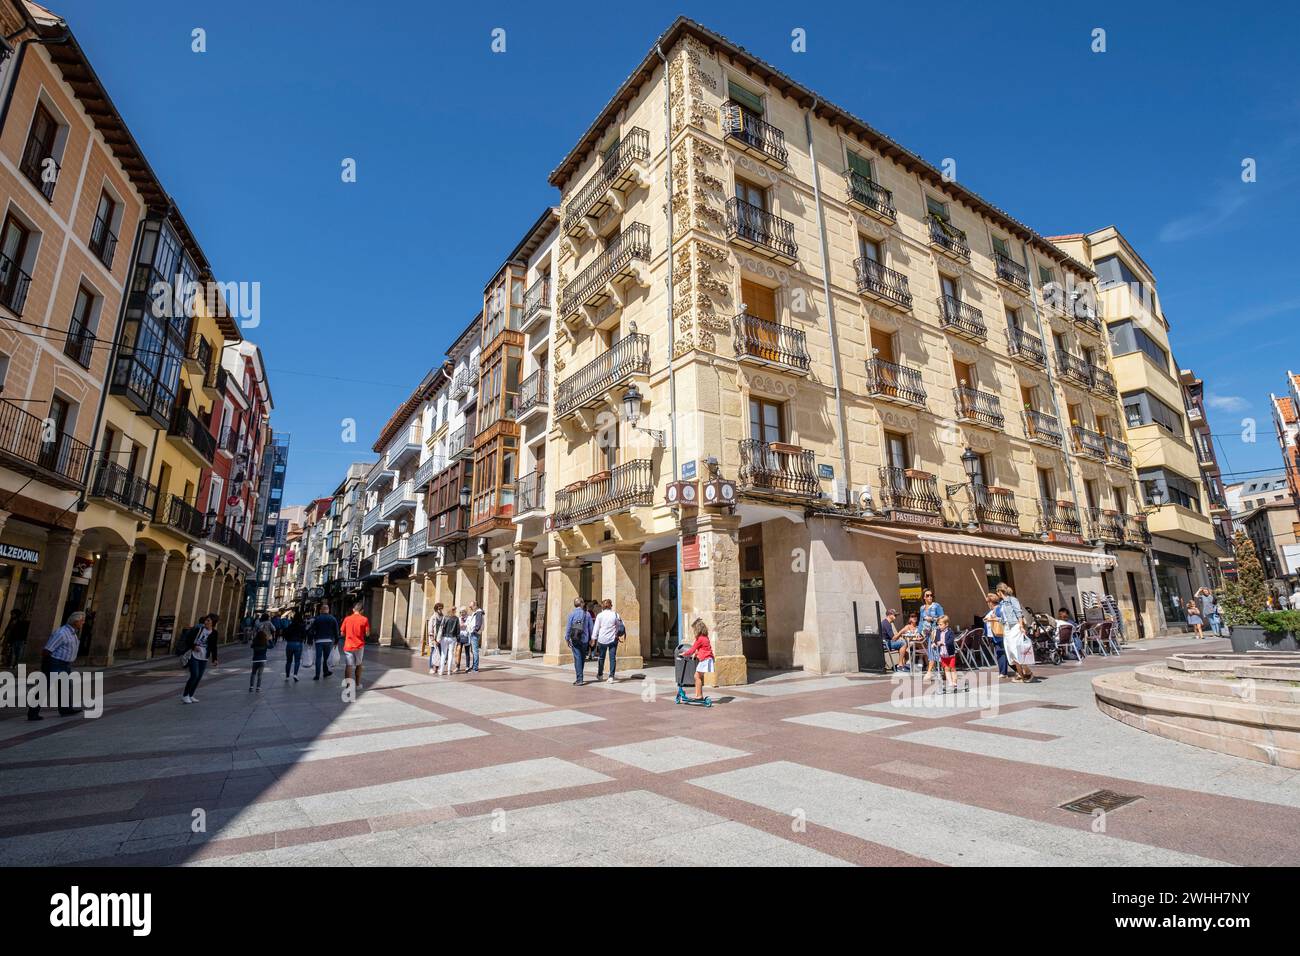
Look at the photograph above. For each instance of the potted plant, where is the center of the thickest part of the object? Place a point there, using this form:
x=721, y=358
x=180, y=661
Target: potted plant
x=1245, y=598
x=1281, y=630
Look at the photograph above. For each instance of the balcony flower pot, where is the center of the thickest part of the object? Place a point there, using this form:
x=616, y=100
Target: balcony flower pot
x=784, y=449
x=599, y=476
x=575, y=486
x=917, y=473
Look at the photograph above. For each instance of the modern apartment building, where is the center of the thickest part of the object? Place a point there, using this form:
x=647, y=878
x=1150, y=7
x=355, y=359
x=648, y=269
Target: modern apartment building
x=1167, y=425
x=1251, y=493
x=269, y=527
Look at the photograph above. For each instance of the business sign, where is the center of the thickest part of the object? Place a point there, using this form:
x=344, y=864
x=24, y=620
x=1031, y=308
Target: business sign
x=11, y=552
x=163, y=631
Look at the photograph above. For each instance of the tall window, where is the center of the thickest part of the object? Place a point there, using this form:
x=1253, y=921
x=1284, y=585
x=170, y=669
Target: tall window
x=765, y=421
x=896, y=450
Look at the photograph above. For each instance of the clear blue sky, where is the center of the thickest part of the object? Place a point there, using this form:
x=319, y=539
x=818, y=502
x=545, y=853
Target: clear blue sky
x=364, y=284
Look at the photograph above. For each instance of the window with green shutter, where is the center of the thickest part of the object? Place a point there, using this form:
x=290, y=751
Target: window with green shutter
x=1000, y=245
x=861, y=165
x=936, y=209
x=750, y=101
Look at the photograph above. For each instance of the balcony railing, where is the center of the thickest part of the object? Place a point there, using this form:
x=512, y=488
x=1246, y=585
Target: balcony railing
x=1088, y=443
x=1136, y=530
x=378, y=472
x=774, y=468
x=906, y=489
x=115, y=483
x=1085, y=316
x=103, y=242
x=14, y=283
x=1102, y=380
x=428, y=468
x=948, y=238
x=198, y=355
x=766, y=341
x=399, y=499
x=179, y=515
x=1011, y=272
x=1106, y=524
x=961, y=319
x=868, y=195
x=22, y=436
x=626, y=486
x=534, y=392
x=1027, y=347
x=591, y=285
x=229, y=538
x=1117, y=451
x=1073, y=368
x=36, y=155
x=1059, y=516
x=629, y=356
x=981, y=408
x=537, y=300
x=459, y=442
x=372, y=519
x=392, y=554
x=896, y=383
x=531, y=492
x=614, y=172
x=1043, y=428
x=878, y=282
x=80, y=343
x=753, y=133
x=186, y=426
x=228, y=440
x=996, y=506
x=756, y=228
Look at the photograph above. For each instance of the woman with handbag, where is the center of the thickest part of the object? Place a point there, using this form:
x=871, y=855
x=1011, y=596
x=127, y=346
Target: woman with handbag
x=1020, y=649
x=198, y=647
x=993, y=627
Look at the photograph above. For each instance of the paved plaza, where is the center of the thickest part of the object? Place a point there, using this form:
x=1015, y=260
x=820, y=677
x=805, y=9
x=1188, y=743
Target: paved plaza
x=515, y=765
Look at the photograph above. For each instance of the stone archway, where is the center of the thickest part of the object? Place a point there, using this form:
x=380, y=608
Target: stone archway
x=113, y=558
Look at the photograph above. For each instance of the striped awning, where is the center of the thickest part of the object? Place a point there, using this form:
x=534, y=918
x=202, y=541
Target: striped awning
x=975, y=546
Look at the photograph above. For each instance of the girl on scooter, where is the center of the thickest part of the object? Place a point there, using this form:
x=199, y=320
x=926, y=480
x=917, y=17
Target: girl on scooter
x=702, y=651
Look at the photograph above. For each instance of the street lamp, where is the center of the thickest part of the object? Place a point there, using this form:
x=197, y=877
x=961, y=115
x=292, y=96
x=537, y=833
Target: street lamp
x=402, y=526
x=464, y=497
x=971, y=463
x=632, y=402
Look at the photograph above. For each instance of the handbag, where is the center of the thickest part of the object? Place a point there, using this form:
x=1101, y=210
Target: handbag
x=185, y=659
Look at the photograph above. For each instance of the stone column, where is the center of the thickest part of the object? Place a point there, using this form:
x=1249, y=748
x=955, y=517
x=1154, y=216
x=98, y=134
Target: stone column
x=401, y=608
x=152, y=586
x=386, y=606
x=203, y=595
x=520, y=597
x=415, y=613
x=467, y=577
x=493, y=639
x=563, y=578
x=620, y=572
x=51, y=590
x=444, y=587
x=187, y=610
x=174, y=587
x=712, y=593
x=112, y=573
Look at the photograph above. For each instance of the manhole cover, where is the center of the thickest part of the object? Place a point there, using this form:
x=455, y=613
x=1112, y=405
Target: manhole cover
x=1105, y=800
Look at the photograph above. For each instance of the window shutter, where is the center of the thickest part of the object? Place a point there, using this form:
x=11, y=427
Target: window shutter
x=750, y=101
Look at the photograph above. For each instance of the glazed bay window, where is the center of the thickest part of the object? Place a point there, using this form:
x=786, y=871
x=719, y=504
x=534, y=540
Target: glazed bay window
x=503, y=305
x=496, y=474
x=499, y=386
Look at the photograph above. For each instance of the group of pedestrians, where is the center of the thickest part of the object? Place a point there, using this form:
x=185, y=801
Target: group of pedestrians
x=452, y=639
x=602, y=633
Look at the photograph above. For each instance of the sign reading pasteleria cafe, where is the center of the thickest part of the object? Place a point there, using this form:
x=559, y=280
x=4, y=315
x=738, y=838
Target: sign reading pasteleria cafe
x=11, y=552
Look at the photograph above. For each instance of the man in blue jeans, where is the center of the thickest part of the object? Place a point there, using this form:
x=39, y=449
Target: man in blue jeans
x=577, y=634
x=324, y=633
x=475, y=622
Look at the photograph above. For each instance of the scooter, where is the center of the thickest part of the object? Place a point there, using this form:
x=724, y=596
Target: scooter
x=685, y=671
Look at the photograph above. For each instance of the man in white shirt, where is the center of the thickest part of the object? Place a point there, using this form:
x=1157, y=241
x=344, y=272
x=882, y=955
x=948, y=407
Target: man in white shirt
x=606, y=634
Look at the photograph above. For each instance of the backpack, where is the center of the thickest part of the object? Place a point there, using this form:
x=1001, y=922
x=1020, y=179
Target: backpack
x=620, y=629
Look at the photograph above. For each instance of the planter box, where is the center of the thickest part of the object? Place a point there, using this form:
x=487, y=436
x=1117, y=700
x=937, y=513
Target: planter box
x=1254, y=638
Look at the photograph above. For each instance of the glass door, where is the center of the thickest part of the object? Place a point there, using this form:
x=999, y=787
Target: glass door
x=663, y=614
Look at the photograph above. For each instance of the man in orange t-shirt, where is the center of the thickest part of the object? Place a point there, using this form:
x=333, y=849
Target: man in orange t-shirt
x=356, y=628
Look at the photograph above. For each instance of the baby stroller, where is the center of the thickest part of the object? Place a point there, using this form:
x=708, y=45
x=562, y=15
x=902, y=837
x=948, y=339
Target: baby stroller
x=684, y=668
x=1041, y=631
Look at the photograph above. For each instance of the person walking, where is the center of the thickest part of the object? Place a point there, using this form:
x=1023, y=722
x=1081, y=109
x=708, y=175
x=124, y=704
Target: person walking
x=931, y=612
x=577, y=634
x=294, y=635
x=16, y=637
x=449, y=638
x=198, y=647
x=261, y=645
x=432, y=643
x=57, y=656
x=1209, y=605
x=1020, y=649
x=476, y=623
x=324, y=634
x=993, y=629
x=356, y=628
x=946, y=638
x=609, y=632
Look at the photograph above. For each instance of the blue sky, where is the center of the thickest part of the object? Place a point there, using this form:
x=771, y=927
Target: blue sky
x=364, y=284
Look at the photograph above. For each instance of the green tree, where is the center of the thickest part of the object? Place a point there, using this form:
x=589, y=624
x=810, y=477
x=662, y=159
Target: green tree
x=1246, y=597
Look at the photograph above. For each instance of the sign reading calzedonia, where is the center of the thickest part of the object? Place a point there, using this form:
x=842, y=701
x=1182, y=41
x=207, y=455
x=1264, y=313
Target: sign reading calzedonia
x=11, y=552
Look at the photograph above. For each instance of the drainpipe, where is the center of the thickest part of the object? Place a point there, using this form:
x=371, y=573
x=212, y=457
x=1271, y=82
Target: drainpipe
x=830, y=302
x=672, y=336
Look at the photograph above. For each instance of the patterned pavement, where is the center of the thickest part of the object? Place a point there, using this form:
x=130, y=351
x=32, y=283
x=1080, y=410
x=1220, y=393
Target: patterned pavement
x=514, y=765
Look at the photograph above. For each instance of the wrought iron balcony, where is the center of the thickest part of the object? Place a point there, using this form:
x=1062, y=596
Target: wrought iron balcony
x=1102, y=381
x=401, y=498
x=895, y=383
x=628, y=485
x=229, y=538
x=459, y=445
x=755, y=228
x=1043, y=429
x=1011, y=272
x=779, y=469
x=405, y=444
x=22, y=442
x=392, y=555
x=198, y=354
x=537, y=302
x=373, y=519
x=1060, y=517
x=181, y=516
x=534, y=393
x=996, y=506
x=1088, y=443
x=228, y=440
x=770, y=343
x=869, y=196
x=948, y=238
x=530, y=492
x=103, y=242
x=418, y=543
x=629, y=356
x=591, y=286
x=909, y=490
x=37, y=157
x=1073, y=368
x=1027, y=347
x=428, y=468
x=616, y=171
x=463, y=382
x=882, y=284
x=80, y=343
x=192, y=434
x=753, y=134
x=978, y=408
x=1136, y=530
x=114, y=483
x=1086, y=316
x=379, y=473
x=1117, y=451
x=1106, y=524
x=14, y=283
x=957, y=317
